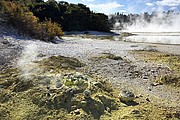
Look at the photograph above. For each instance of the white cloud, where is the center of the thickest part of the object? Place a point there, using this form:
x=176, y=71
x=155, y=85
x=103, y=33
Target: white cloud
x=105, y=7
x=123, y=11
x=87, y=0
x=149, y=4
x=173, y=8
x=169, y=2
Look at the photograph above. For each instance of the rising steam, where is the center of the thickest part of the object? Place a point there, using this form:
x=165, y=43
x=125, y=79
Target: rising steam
x=159, y=23
x=25, y=62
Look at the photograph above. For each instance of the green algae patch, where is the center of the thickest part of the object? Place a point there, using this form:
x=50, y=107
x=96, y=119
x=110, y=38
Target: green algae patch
x=76, y=80
x=126, y=34
x=96, y=37
x=144, y=111
x=173, y=80
x=8, y=77
x=171, y=61
x=108, y=37
x=109, y=56
x=60, y=62
x=4, y=112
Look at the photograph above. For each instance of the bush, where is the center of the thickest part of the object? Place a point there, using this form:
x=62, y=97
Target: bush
x=47, y=30
x=25, y=22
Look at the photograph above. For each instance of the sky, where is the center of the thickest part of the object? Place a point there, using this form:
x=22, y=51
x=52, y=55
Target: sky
x=129, y=6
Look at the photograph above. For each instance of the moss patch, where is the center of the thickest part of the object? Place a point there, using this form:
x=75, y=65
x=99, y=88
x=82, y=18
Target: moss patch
x=98, y=37
x=143, y=112
x=172, y=61
x=60, y=62
x=109, y=56
x=126, y=34
x=173, y=80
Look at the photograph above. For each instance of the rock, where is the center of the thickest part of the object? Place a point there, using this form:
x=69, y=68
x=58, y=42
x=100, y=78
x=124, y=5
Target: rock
x=46, y=81
x=176, y=114
x=87, y=94
x=108, y=109
x=77, y=111
x=145, y=77
x=155, y=84
x=74, y=107
x=41, y=55
x=5, y=42
x=150, y=48
x=1, y=86
x=149, y=89
x=140, y=95
x=59, y=84
x=68, y=94
x=147, y=99
x=134, y=46
x=48, y=94
x=135, y=111
x=69, y=91
x=57, y=40
x=98, y=84
x=126, y=96
x=153, y=71
x=83, y=103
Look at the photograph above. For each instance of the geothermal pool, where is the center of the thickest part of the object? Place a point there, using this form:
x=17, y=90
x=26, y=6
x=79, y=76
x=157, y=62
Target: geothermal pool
x=154, y=37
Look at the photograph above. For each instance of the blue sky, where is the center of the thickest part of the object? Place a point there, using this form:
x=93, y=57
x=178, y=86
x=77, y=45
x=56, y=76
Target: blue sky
x=129, y=6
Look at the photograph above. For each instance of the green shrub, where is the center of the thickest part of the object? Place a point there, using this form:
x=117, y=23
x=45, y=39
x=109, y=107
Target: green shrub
x=47, y=30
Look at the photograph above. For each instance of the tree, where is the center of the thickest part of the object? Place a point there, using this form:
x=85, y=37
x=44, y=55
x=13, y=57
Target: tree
x=71, y=16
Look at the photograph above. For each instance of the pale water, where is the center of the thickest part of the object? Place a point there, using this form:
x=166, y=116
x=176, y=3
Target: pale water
x=161, y=38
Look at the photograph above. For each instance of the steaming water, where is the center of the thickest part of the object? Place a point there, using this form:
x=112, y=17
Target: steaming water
x=153, y=37
x=158, y=37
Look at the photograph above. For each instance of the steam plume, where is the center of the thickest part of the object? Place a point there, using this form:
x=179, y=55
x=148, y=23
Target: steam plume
x=159, y=23
x=25, y=63
x=155, y=22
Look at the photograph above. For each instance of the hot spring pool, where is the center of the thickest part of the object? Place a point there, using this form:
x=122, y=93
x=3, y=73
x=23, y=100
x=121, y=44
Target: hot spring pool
x=161, y=38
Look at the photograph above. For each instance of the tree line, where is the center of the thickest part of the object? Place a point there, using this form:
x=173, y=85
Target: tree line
x=71, y=16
